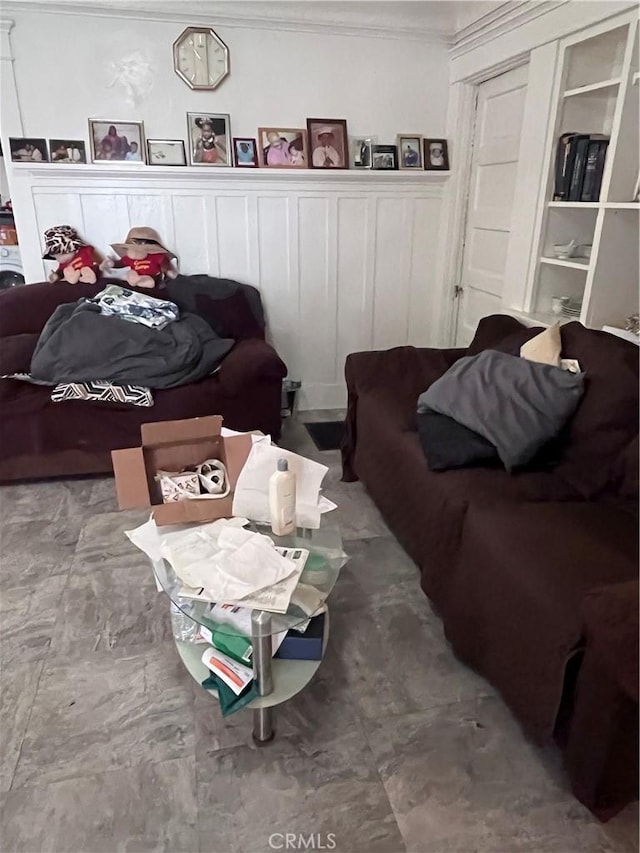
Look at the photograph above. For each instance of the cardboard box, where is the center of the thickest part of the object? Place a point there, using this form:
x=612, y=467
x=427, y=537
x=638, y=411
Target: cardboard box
x=171, y=446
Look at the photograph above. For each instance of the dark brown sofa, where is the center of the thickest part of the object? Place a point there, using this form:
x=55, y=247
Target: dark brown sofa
x=509, y=559
x=39, y=438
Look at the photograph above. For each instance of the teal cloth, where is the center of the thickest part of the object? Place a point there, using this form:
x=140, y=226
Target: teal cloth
x=229, y=701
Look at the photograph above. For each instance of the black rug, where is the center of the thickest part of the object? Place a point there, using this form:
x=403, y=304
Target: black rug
x=326, y=435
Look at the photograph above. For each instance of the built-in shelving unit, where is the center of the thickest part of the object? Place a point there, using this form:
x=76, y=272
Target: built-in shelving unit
x=595, y=94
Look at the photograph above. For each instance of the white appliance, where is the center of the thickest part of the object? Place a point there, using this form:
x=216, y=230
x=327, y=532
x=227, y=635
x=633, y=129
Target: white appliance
x=11, y=274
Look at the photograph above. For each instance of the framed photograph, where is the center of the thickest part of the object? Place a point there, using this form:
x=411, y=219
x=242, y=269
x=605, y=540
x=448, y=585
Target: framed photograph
x=28, y=150
x=436, y=154
x=166, y=152
x=409, y=150
x=121, y=141
x=283, y=147
x=209, y=139
x=67, y=151
x=245, y=152
x=361, y=151
x=328, y=143
x=384, y=157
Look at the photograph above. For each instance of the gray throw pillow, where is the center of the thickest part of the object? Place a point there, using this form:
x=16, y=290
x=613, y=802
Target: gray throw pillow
x=517, y=405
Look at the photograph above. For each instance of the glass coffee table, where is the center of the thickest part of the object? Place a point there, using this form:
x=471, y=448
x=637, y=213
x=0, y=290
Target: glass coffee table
x=277, y=680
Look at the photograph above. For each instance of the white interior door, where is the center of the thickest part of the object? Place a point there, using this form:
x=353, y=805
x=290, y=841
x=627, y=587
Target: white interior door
x=494, y=169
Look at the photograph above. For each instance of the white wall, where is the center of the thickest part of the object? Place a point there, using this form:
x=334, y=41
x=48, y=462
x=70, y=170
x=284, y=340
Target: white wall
x=345, y=261
x=381, y=86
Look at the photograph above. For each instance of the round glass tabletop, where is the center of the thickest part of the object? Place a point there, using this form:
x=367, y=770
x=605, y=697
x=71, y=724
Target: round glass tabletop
x=325, y=559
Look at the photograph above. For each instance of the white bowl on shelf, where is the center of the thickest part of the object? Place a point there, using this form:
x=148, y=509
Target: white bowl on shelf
x=564, y=251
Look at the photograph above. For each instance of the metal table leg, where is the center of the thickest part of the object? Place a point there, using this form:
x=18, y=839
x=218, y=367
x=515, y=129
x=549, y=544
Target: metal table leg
x=263, y=731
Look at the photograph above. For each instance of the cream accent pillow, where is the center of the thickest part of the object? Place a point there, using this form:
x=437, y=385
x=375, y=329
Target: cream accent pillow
x=545, y=348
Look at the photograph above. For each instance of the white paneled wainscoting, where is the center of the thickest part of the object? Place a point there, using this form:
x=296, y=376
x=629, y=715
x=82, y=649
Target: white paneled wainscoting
x=344, y=261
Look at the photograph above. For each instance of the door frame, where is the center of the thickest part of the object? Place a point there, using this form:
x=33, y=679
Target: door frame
x=462, y=120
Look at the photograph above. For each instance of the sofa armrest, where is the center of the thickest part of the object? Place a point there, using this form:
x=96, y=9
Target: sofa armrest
x=250, y=361
x=403, y=371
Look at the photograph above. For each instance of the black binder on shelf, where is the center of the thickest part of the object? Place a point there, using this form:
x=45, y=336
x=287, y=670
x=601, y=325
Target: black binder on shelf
x=578, y=169
x=594, y=168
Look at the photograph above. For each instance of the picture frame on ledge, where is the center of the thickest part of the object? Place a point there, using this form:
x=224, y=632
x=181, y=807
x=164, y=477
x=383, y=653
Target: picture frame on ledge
x=409, y=151
x=245, y=152
x=384, y=157
x=28, y=149
x=67, y=151
x=283, y=147
x=361, y=151
x=436, y=155
x=328, y=143
x=117, y=141
x=166, y=152
x=209, y=139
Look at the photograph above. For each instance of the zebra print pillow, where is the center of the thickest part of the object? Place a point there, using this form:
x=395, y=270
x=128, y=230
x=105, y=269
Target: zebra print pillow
x=100, y=391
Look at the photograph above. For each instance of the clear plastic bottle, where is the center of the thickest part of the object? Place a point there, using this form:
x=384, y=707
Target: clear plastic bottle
x=184, y=628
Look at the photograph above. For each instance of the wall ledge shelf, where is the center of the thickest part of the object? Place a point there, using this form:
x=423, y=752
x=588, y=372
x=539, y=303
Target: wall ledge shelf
x=230, y=175
x=592, y=87
x=560, y=262
x=569, y=204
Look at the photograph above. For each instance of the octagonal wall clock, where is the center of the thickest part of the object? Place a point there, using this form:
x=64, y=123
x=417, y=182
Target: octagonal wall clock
x=201, y=58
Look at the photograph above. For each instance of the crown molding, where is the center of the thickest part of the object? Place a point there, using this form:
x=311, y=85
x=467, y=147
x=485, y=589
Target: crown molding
x=5, y=40
x=500, y=21
x=238, y=19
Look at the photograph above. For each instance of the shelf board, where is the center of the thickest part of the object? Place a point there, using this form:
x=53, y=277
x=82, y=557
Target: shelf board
x=592, y=87
x=569, y=204
x=538, y=318
x=609, y=205
x=571, y=264
x=621, y=205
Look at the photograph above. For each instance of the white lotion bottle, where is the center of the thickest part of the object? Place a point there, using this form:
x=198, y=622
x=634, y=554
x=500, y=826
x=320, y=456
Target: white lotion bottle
x=282, y=500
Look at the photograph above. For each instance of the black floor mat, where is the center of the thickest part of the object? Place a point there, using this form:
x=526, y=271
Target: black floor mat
x=326, y=435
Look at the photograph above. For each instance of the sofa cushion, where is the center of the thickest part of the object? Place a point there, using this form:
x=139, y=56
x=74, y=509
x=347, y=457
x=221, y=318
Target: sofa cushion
x=606, y=420
x=545, y=348
x=230, y=317
x=425, y=509
x=16, y=352
x=448, y=444
x=517, y=405
x=26, y=309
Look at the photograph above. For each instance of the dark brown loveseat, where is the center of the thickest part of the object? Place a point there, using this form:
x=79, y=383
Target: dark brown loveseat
x=510, y=560
x=40, y=438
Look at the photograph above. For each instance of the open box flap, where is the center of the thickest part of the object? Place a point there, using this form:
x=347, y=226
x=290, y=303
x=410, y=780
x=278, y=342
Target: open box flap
x=170, y=432
x=131, y=478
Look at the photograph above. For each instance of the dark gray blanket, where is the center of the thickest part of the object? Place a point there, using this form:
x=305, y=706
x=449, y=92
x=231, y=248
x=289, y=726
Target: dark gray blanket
x=79, y=344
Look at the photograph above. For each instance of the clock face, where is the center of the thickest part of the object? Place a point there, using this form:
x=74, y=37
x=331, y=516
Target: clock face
x=201, y=58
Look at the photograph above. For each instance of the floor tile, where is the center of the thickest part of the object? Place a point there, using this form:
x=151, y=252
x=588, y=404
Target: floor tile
x=29, y=622
x=103, y=542
x=111, y=608
x=331, y=791
x=462, y=777
x=107, y=711
x=151, y=807
x=31, y=551
x=396, y=660
x=19, y=685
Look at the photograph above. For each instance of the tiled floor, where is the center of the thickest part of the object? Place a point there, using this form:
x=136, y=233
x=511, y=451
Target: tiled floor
x=107, y=745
